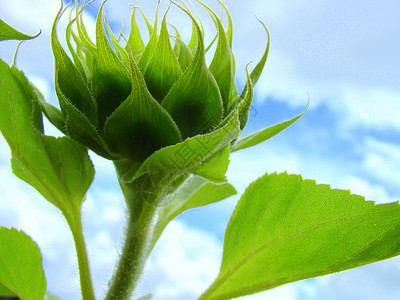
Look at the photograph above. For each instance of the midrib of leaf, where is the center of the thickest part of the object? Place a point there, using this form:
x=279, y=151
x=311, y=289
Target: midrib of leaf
x=255, y=252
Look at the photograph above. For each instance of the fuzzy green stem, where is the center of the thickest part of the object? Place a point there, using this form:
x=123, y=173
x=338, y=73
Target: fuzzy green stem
x=134, y=254
x=142, y=198
x=83, y=261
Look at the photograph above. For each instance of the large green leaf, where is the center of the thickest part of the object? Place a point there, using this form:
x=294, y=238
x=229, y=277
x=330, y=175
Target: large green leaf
x=21, y=270
x=187, y=156
x=286, y=229
x=9, y=33
x=5, y=292
x=195, y=102
x=264, y=134
x=59, y=169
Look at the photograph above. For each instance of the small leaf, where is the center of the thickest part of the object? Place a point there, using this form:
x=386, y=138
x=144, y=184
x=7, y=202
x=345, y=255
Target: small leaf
x=222, y=65
x=135, y=42
x=69, y=80
x=215, y=167
x=9, y=33
x=140, y=126
x=111, y=81
x=264, y=134
x=245, y=103
x=79, y=127
x=256, y=73
x=150, y=47
x=182, y=51
x=188, y=155
x=21, y=270
x=53, y=114
x=163, y=69
x=75, y=57
x=194, y=102
x=195, y=192
x=286, y=229
x=120, y=51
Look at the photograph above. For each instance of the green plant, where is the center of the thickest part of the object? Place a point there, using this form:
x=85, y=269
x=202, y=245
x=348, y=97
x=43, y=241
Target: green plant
x=169, y=122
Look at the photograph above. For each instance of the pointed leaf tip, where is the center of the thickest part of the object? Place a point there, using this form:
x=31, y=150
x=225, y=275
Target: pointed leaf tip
x=163, y=69
x=9, y=33
x=140, y=126
x=195, y=102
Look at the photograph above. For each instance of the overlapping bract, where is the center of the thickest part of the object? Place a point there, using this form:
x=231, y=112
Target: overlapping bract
x=128, y=102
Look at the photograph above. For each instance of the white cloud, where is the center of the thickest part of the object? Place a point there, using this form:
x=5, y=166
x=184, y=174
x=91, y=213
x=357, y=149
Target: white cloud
x=382, y=161
x=344, y=54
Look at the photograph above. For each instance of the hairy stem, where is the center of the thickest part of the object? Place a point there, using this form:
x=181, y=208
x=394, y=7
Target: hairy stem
x=142, y=198
x=134, y=254
x=83, y=261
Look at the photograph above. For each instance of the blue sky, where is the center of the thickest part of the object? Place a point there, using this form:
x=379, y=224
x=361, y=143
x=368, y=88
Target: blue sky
x=344, y=54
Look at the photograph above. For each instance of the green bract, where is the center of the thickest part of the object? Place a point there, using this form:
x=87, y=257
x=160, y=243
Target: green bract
x=127, y=100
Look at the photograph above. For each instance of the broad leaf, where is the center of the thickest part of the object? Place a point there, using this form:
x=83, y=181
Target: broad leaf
x=286, y=229
x=264, y=134
x=194, y=102
x=5, y=292
x=21, y=270
x=59, y=169
x=9, y=33
x=188, y=155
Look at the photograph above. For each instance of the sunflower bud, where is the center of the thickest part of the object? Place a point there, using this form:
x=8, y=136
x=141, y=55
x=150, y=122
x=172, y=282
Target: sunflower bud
x=127, y=102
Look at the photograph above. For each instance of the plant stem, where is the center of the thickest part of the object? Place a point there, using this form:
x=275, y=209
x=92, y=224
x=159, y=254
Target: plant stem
x=142, y=197
x=83, y=262
x=134, y=254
